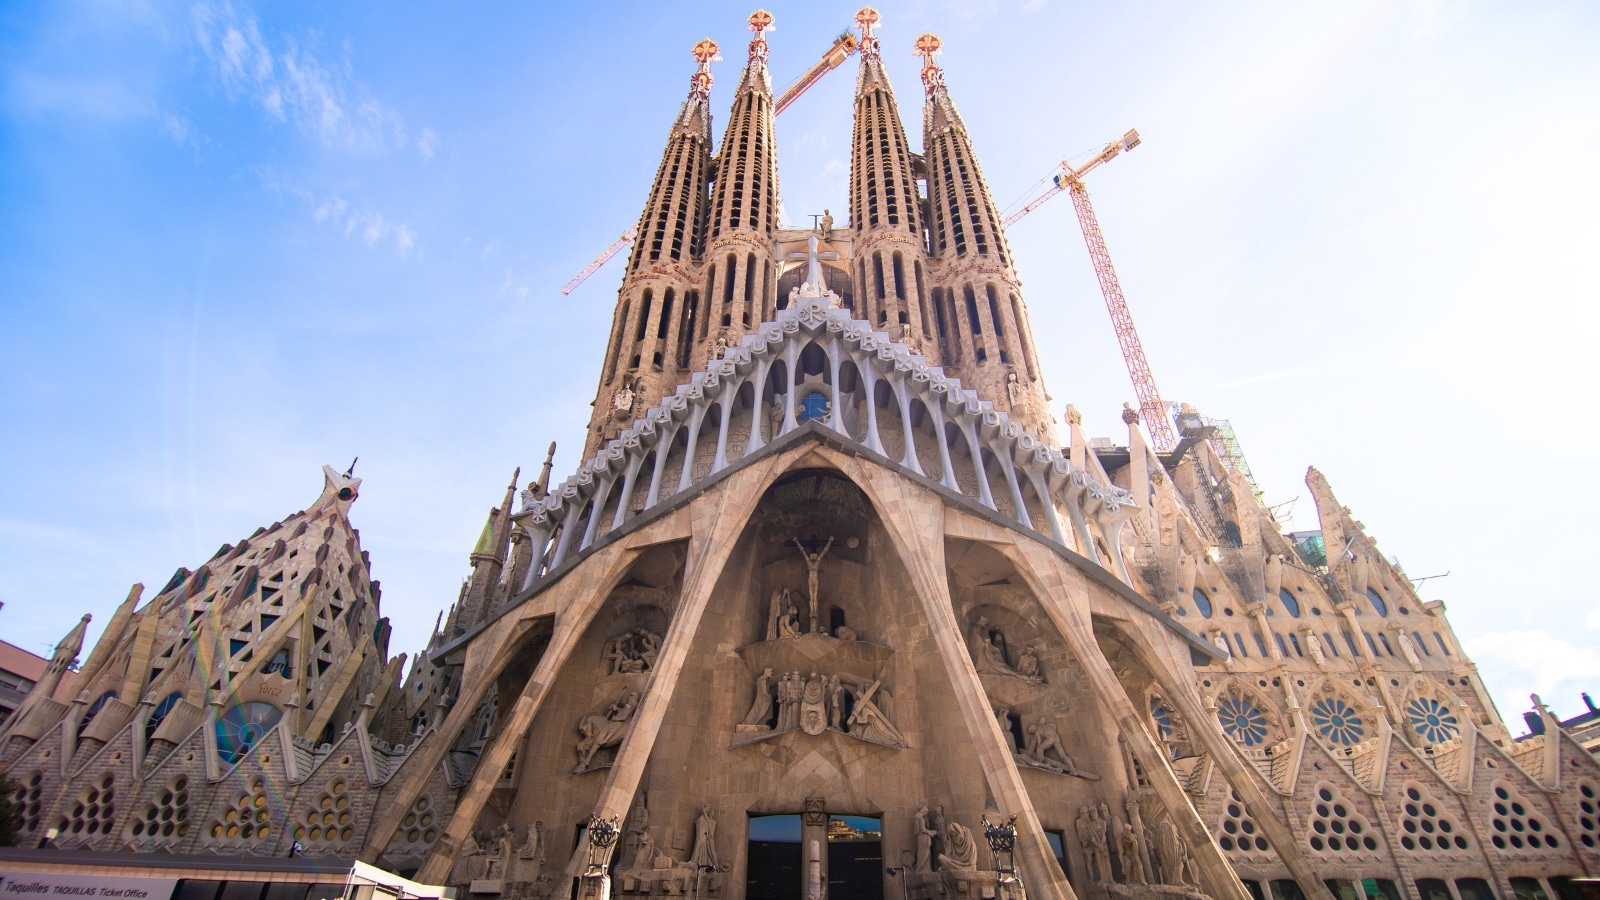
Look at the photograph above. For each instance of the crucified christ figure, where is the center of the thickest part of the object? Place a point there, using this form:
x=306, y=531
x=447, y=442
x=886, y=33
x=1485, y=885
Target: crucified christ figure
x=813, y=560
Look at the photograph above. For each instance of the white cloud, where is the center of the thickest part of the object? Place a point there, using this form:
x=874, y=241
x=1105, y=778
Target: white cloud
x=176, y=128
x=490, y=248
x=332, y=208
x=1519, y=663
x=1593, y=619
x=318, y=95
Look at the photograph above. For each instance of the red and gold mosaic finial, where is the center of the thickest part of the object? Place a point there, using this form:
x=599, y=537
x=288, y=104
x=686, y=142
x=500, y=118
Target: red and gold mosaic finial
x=867, y=19
x=760, y=23
x=705, y=53
x=928, y=46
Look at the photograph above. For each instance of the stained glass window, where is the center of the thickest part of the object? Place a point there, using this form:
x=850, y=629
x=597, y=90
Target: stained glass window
x=1162, y=717
x=1377, y=602
x=814, y=406
x=1202, y=603
x=159, y=714
x=243, y=726
x=1432, y=720
x=1242, y=721
x=1335, y=720
x=1289, y=602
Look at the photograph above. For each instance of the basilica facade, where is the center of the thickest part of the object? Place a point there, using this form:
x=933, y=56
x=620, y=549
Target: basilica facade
x=830, y=608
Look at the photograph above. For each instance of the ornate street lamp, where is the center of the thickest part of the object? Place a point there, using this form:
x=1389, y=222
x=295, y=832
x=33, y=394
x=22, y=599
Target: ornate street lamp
x=602, y=835
x=1002, y=838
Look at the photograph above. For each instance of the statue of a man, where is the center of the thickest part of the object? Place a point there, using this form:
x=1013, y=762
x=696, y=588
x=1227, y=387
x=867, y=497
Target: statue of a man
x=705, y=837
x=813, y=560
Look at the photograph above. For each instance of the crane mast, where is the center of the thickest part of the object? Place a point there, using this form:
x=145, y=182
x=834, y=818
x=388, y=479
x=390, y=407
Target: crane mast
x=1152, y=409
x=844, y=45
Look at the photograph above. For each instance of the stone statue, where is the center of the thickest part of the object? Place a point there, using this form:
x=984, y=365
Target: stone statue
x=645, y=856
x=632, y=653
x=961, y=852
x=868, y=722
x=777, y=605
x=835, y=703
x=761, y=707
x=605, y=730
x=789, y=622
x=813, y=560
x=1028, y=664
x=648, y=645
x=1015, y=393
x=988, y=650
x=1172, y=855
x=813, y=709
x=924, y=838
x=1097, y=844
x=1408, y=649
x=1044, y=737
x=720, y=348
x=827, y=225
x=533, y=847
x=1128, y=852
x=1002, y=715
x=705, y=838
x=1314, y=645
x=1084, y=828
x=938, y=827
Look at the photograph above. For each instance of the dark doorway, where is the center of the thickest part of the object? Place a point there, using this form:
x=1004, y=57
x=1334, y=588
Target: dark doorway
x=855, y=858
x=773, y=863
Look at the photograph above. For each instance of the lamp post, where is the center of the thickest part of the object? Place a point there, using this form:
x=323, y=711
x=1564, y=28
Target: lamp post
x=1002, y=838
x=602, y=835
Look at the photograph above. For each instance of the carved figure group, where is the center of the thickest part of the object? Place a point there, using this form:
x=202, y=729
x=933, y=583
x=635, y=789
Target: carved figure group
x=632, y=653
x=815, y=703
x=1091, y=828
x=941, y=845
x=1042, y=747
x=988, y=647
x=600, y=731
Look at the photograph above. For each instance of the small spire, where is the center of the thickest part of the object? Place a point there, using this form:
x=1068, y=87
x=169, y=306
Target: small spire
x=929, y=46
x=705, y=53
x=760, y=23
x=867, y=18
x=544, y=473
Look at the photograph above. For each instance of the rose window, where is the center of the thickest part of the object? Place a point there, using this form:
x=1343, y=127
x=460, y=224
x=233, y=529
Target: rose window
x=1432, y=720
x=1242, y=721
x=1335, y=720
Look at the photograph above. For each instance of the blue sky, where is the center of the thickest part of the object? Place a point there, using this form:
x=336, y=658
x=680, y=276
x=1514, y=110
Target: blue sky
x=238, y=242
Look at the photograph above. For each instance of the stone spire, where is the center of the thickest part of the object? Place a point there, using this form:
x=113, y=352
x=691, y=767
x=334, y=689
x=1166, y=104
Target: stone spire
x=65, y=655
x=740, y=281
x=885, y=207
x=653, y=327
x=987, y=338
x=488, y=558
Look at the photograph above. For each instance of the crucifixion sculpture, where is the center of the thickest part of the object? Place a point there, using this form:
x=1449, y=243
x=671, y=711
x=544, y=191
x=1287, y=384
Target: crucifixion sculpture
x=813, y=560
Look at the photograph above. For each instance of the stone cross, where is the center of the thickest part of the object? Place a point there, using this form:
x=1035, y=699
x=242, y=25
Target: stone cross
x=813, y=268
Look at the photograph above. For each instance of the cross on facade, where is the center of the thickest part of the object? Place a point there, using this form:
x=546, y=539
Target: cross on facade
x=928, y=46
x=813, y=267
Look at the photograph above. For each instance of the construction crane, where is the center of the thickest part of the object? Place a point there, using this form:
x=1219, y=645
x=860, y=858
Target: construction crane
x=1070, y=179
x=844, y=45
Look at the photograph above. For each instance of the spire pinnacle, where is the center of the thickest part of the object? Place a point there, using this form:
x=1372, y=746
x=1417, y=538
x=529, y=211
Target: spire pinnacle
x=544, y=473
x=867, y=18
x=760, y=23
x=705, y=53
x=928, y=46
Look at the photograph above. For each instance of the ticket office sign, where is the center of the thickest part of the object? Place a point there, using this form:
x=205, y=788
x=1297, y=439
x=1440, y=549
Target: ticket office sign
x=60, y=886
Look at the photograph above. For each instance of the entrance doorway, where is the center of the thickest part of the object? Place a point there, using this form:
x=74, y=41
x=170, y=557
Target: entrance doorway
x=855, y=858
x=773, y=863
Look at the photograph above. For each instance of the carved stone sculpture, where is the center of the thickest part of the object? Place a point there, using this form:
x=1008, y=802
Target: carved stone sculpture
x=1002, y=716
x=868, y=722
x=600, y=731
x=813, y=561
x=1084, y=827
x=960, y=851
x=705, y=839
x=1172, y=855
x=989, y=654
x=813, y=711
x=1128, y=853
x=1098, y=844
x=835, y=703
x=632, y=653
x=924, y=838
x=761, y=706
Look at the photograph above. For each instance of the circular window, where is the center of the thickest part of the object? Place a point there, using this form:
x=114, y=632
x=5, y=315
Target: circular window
x=1337, y=721
x=1432, y=720
x=243, y=726
x=1242, y=721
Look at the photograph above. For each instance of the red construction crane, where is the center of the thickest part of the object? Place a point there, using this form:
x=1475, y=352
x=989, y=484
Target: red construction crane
x=844, y=45
x=1070, y=179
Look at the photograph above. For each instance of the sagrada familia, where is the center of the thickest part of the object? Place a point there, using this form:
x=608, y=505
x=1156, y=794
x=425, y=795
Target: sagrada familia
x=829, y=610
